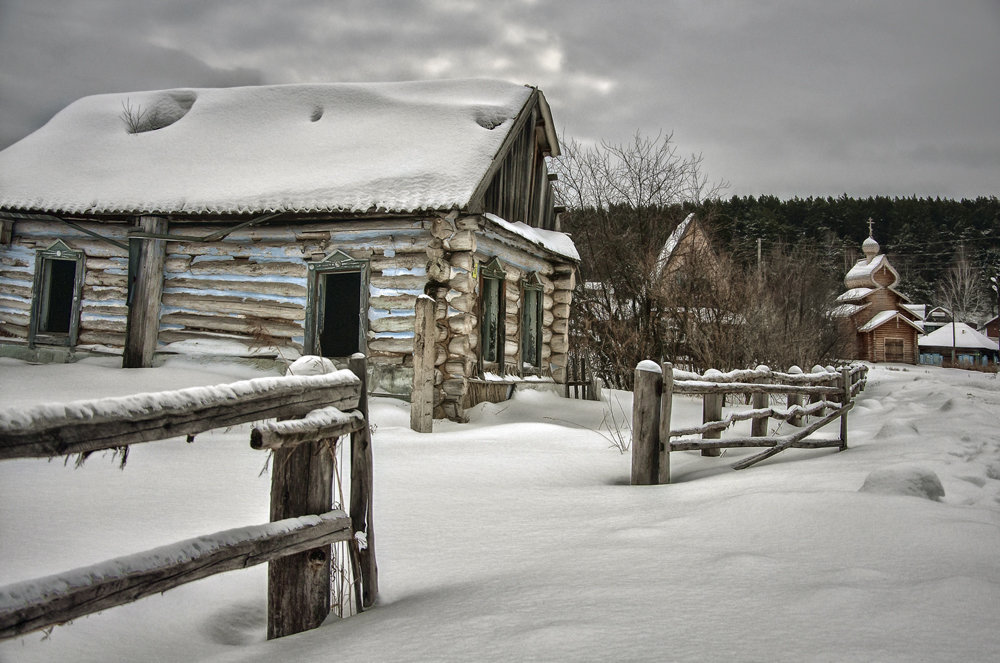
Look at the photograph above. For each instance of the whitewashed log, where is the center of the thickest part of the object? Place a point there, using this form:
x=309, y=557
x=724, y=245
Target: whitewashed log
x=37, y=604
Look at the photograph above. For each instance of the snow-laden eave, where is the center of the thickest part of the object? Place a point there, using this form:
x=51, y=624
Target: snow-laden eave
x=552, y=241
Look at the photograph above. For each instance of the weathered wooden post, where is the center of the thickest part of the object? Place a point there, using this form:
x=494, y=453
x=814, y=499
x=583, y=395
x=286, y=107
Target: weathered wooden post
x=758, y=401
x=666, y=405
x=298, y=586
x=646, y=423
x=424, y=351
x=146, y=259
x=362, y=483
x=795, y=399
x=711, y=410
x=845, y=377
x=816, y=398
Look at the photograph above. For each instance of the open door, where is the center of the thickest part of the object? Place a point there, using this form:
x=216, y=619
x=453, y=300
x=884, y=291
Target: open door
x=337, y=314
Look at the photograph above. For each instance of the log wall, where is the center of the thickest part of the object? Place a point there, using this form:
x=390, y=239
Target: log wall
x=251, y=288
x=103, y=311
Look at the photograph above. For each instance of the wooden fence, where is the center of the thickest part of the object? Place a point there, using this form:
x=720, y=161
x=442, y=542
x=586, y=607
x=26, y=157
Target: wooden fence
x=831, y=396
x=297, y=541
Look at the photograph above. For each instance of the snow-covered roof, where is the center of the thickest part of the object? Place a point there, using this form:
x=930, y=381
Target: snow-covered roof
x=964, y=337
x=883, y=317
x=557, y=242
x=847, y=310
x=862, y=275
x=854, y=294
x=344, y=147
x=918, y=310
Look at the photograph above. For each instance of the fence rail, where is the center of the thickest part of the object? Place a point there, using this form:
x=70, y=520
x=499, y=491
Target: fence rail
x=656, y=384
x=296, y=543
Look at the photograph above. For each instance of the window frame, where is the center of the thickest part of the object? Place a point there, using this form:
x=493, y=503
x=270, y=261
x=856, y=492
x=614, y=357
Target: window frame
x=337, y=262
x=37, y=334
x=531, y=334
x=492, y=271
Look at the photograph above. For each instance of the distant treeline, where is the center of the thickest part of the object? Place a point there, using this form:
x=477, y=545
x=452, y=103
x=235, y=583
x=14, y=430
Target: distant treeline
x=920, y=235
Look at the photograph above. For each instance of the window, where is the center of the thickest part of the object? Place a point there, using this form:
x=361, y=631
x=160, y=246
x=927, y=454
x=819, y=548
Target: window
x=531, y=323
x=55, y=306
x=492, y=312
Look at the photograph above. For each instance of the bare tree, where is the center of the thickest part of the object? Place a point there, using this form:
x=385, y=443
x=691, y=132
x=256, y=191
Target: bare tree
x=962, y=290
x=623, y=200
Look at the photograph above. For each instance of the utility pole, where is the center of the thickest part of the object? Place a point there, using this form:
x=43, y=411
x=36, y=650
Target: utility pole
x=995, y=284
x=759, y=240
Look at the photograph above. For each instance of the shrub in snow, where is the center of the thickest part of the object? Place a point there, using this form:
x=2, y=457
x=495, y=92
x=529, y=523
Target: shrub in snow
x=906, y=480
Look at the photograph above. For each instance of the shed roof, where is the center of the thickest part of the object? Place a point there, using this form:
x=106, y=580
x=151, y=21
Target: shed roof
x=344, y=147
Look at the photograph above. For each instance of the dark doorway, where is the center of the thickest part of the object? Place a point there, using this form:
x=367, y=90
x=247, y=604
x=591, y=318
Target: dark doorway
x=340, y=319
x=59, y=286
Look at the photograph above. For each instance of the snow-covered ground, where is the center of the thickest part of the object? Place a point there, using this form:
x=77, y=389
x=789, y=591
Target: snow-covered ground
x=516, y=537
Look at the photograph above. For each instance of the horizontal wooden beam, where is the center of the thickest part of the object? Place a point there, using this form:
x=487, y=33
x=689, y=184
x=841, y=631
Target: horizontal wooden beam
x=37, y=604
x=795, y=440
x=323, y=424
x=700, y=387
x=84, y=426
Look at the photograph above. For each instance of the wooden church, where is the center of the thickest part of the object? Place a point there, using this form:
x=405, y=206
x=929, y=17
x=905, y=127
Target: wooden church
x=274, y=221
x=874, y=321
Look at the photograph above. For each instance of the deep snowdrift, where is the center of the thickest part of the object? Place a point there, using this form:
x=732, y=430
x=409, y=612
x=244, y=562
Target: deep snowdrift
x=515, y=537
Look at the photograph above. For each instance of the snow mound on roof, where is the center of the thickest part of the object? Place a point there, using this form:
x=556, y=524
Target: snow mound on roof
x=906, y=480
x=349, y=147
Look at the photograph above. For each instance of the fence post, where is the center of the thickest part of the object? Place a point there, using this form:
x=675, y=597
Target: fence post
x=845, y=377
x=646, y=424
x=666, y=405
x=758, y=401
x=362, y=481
x=298, y=586
x=711, y=410
x=795, y=399
x=424, y=341
x=816, y=398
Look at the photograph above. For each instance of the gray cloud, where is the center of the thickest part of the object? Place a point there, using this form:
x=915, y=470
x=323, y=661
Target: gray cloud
x=790, y=98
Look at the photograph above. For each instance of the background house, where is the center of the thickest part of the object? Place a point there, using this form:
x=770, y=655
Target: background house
x=969, y=346
x=875, y=322
x=275, y=221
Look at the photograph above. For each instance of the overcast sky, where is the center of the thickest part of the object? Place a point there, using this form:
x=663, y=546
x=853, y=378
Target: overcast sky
x=783, y=97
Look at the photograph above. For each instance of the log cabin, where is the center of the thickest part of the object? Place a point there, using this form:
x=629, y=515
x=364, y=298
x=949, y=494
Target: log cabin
x=874, y=320
x=277, y=221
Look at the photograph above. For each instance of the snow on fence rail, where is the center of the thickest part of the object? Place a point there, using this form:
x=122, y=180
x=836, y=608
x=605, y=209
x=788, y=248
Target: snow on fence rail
x=296, y=543
x=655, y=385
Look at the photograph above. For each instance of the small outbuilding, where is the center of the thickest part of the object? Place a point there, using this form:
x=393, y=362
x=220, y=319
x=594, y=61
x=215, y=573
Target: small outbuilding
x=275, y=221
